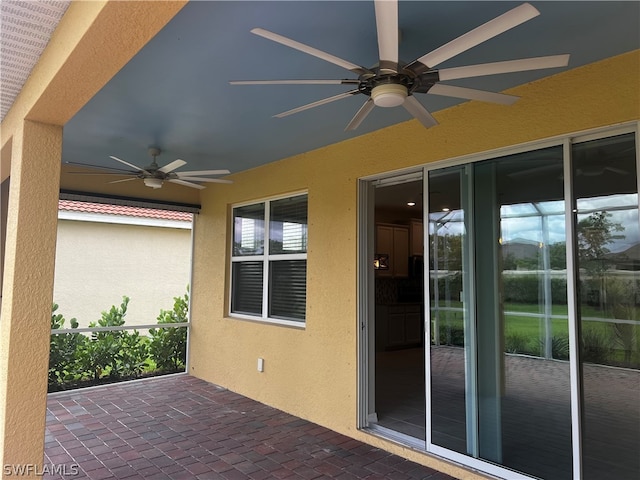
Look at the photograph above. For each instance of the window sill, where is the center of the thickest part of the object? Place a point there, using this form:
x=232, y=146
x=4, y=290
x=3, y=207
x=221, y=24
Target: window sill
x=269, y=321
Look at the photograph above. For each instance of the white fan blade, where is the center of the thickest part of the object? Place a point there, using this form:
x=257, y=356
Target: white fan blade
x=310, y=50
x=195, y=173
x=535, y=170
x=484, y=32
x=186, y=184
x=125, y=180
x=510, y=66
x=472, y=94
x=98, y=167
x=415, y=108
x=387, y=24
x=317, y=104
x=172, y=166
x=123, y=174
x=135, y=167
x=293, y=82
x=203, y=179
x=360, y=115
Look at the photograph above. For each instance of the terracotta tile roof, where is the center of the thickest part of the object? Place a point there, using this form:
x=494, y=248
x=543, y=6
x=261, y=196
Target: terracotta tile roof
x=107, y=209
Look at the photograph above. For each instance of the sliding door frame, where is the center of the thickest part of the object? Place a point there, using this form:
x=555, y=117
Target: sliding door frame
x=366, y=302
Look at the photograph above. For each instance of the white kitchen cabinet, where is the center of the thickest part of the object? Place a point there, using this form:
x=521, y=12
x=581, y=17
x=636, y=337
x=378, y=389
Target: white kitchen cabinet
x=398, y=326
x=416, y=238
x=393, y=240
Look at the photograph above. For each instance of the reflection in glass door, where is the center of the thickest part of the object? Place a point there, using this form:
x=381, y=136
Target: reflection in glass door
x=450, y=315
x=500, y=381
x=608, y=257
x=532, y=294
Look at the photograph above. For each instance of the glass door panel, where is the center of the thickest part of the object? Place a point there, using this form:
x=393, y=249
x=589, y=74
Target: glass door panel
x=399, y=307
x=524, y=405
x=608, y=257
x=448, y=309
x=500, y=384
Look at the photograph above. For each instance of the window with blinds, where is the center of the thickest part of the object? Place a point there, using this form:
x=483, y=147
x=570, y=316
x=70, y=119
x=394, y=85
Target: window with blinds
x=270, y=285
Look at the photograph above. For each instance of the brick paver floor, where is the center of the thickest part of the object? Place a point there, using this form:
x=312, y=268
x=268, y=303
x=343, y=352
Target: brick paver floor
x=180, y=427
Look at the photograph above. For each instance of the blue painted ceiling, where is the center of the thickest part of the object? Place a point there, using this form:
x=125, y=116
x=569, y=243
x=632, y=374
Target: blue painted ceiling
x=175, y=93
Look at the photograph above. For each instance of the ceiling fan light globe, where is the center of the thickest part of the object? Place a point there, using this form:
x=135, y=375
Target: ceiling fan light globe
x=153, y=182
x=389, y=95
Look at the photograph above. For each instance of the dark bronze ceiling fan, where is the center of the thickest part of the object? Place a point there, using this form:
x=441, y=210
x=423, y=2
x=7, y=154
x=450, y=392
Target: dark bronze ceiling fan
x=393, y=83
x=154, y=175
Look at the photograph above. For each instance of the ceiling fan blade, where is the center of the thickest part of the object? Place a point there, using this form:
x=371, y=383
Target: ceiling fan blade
x=415, y=108
x=535, y=170
x=472, y=94
x=360, y=115
x=117, y=174
x=172, y=166
x=203, y=179
x=195, y=173
x=318, y=103
x=510, y=66
x=98, y=167
x=294, y=82
x=484, y=32
x=135, y=167
x=125, y=180
x=387, y=25
x=310, y=50
x=186, y=184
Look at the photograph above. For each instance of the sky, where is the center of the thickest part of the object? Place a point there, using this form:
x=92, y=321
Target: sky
x=519, y=222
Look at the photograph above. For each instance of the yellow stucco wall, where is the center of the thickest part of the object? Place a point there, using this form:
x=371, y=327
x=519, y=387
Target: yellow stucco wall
x=26, y=295
x=312, y=372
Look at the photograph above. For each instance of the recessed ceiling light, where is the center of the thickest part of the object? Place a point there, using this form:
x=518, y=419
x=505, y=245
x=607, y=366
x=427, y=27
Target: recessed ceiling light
x=445, y=209
x=411, y=204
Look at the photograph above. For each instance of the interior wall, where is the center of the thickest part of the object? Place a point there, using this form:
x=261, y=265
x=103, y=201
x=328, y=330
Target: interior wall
x=312, y=372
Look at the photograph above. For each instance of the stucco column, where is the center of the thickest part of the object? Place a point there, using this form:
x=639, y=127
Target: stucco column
x=27, y=292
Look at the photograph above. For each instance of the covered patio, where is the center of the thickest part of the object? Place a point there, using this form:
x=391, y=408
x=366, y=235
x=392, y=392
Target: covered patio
x=179, y=426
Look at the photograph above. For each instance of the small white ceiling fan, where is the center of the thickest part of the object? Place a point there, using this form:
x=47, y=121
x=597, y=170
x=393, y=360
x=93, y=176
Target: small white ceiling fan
x=154, y=176
x=393, y=83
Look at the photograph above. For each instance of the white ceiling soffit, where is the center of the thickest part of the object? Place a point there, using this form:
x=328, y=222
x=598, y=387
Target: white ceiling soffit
x=25, y=30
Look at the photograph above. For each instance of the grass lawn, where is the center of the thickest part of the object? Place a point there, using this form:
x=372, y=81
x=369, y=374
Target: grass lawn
x=605, y=342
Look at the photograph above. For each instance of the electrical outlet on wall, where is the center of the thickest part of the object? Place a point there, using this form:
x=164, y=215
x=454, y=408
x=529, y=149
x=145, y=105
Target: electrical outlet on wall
x=261, y=364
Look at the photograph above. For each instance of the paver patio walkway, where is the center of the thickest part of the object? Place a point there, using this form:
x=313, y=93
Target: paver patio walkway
x=180, y=427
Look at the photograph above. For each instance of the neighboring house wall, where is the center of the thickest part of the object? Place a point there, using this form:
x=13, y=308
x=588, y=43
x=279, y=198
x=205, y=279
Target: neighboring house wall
x=100, y=257
x=313, y=372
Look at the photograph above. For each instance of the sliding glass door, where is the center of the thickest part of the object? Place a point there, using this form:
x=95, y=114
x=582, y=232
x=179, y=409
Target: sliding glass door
x=498, y=313
x=530, y=266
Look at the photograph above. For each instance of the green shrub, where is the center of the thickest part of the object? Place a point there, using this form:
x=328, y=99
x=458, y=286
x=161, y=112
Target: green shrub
x=597, y=346
x=451, y=284
x=527, y=289
x=76, y=359
x=519, y=343
x=101, y=354
x=452, y=335
x=168, y=346
x=520, y=288
x=515, y=343
x=559, y=347
x=134, y=355
x=62, y=350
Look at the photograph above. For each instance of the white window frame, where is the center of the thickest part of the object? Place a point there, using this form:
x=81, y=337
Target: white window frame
x=265, y=258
